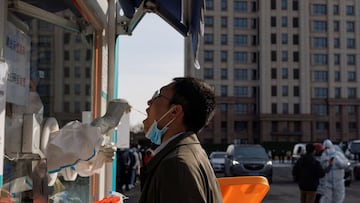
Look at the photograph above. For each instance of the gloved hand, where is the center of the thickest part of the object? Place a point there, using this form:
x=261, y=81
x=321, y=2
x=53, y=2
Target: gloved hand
x=105, y=154
x=114, y=112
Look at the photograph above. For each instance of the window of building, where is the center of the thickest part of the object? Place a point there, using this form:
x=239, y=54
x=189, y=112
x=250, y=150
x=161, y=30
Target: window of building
x=223, y=22
x=321, y=76
x=88, y=72
x=351, y=109
x=254, y=6
x=240, y=57
x=352, y=127
x=284, y=56
x=296, y=108
x=351, y=59
x=284, y=38
x=350, y=10
x=337, y=109
x=241, y=91
x=273, y=21
x=284, y=4
x=337, y=76
x=208, y=73
x=295, y=5
x=273, y=73
x=351, y=92
x=208, y=55
x=322, y=126
x=320, y=42
x=77, y=107
x=240, y=6
x=241, y=108
x=273, y=56
x=284, y=21
x=336, y=9
x=336, y=25
x=273, y=91
x=67, y=38
x=284, y=73
x=223, y=56
x=223, y=126
x=296, y=57
x=337, y=92
x=254, y=57
x=88, y=55
x=66, y=55
x=240, y=40
x=273, y=108
x=350, y=26
x=320, y=109
x=208, y=38
x=336, y=59
x=336, y=42
x=240, y=23
x=321, y=92
x=87, y=90
x=338, y=126
x=77, y=55
x=254, y=41
x=77, y=72
x=351, y=76
x=223, y=90
x=296, y=74
x=285, y=108
x=240, y=74
x=296, y=91
x=223, y=39
x=273, y=38
x=66, y=89
x=319, y=26
x=350, y=43
x=209, y=21
x=253, y=22
x=223, y=107
x=295, y=22
x=240, y=126
x=224, y=73
x=320, y=59
x=209, y=4
x=319, y=9
x=285, y=91
x=273, y=4
x=295, y=39
x=77, y=89
x=66, y=107
x=66, y=72
x=224, y=5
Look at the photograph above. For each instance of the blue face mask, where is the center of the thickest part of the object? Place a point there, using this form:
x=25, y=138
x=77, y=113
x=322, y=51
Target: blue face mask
x=154, y=134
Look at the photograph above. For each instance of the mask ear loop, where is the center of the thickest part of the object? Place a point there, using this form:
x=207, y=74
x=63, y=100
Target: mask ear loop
x=172, y=120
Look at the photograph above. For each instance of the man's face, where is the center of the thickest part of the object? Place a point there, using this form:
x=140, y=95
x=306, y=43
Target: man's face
x=158, y=106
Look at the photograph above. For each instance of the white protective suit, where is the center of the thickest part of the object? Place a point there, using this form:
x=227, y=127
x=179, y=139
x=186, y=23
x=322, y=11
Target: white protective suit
x=333, y=187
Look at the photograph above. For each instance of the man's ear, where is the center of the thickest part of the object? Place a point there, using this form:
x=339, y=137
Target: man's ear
x=177, y=109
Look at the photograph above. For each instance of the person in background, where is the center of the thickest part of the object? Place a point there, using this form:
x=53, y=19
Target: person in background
x=180, y=171
x=308, y=171
x=334, y=163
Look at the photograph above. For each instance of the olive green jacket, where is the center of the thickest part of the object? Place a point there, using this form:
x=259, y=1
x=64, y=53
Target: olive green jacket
x=180, y=172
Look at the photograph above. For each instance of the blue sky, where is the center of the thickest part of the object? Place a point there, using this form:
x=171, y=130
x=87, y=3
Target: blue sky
x=148, y=60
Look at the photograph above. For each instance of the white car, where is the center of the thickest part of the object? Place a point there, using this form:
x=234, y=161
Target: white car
x=217, y=160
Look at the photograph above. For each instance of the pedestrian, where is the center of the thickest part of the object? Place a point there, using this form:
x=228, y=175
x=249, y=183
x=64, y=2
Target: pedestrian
x=180, y=171
x=307, y=171
x=334, y=163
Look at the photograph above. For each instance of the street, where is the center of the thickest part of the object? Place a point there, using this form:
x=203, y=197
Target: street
x=283, y=189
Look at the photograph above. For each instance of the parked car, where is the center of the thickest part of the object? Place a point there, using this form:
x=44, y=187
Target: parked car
x=217, y=160
x=248, y=160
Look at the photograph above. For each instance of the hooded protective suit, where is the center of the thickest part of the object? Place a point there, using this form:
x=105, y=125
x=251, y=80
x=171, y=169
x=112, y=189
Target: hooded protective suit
x=333, y=182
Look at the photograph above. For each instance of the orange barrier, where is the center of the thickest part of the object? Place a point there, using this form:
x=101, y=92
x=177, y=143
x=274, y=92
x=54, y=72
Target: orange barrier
x=249, y=189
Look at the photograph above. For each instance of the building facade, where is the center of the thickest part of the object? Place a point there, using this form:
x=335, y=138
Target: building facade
x=283, y=70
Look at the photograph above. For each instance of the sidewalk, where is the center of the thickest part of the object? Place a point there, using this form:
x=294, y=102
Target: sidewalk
x=133, y=194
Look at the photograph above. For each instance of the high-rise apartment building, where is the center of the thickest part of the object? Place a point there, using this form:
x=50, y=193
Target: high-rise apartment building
x=63, y=60
x=283, y=70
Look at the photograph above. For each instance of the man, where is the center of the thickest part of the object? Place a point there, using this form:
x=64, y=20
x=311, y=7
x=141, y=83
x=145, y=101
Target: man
x=308, y=171
x=335, y=163
x=180, y=170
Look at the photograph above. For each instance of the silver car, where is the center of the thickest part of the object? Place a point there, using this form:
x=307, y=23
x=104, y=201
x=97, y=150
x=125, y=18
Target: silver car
x=217, y=160
x=248, y=160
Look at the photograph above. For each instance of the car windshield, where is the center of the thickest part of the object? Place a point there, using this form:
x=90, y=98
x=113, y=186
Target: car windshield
x=250, y=152
x=218, y=155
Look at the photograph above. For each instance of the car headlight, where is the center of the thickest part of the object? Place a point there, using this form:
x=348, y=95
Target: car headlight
x=234, y=162
x=269, y=163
